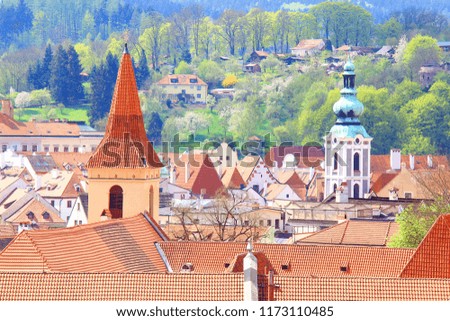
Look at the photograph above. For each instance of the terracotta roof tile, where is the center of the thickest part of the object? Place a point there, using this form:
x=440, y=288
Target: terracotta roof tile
x=382, y=163
x=11, y=127
x=431, y=259
x=181, y=80
x=305, y=260
x=38, y=209
x=382, y=180
x=368, y=233
x=202, y=175
x=360, y=289
x=125, y=144
x=232, y=179
x=247, y=165
x=310, y=44
x=123, y=245
x=120, y=287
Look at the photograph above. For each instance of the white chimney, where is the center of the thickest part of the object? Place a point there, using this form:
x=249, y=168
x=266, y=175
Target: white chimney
x=396, y=158
x=220, y=169
x=250, y=275
x=342, y=193
x=37, y=183
x=200, y=203
x=187, y=171
x=172, y=175
x=54, y=173
x=411, y=161
x=393, y=194
x=311, y=173
x=430, y=161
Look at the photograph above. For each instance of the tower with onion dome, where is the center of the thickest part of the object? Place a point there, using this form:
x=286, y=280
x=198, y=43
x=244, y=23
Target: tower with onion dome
x=347, y=145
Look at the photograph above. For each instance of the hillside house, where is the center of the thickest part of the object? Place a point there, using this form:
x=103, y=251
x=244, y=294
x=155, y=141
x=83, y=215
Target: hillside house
x=186, y=88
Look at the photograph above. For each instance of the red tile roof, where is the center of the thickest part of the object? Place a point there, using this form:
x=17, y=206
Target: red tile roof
x=11, y=127
x=232, y=179
x=123, y=245
x=120, y=287
x=360, y=289
x=125, y=144
x=382, y=163
x=368, y=233
x=38, y=208
x=306, y=156
x=182, y=80
x=432, y=257
x=306, y=260
x=381, y=180
x=310, y=44
x=202, y=175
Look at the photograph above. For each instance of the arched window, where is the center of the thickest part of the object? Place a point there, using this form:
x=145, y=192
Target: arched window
x=356, y=191
x=151, y=196
x=334, y=188
x=116, y=201
x=356, y=162
x=335, y=161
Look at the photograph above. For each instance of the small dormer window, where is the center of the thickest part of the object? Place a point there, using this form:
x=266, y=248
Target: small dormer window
x=187, y=267
x=30, y=216
x=174, y=80
x=193, y=80
x=46, y=215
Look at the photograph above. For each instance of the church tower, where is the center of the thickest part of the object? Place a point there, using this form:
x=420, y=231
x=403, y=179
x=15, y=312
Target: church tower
x=347, y=145
x=124, y=170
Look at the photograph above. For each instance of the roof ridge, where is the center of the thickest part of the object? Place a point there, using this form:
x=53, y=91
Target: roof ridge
x=387, y=232
x=321, y=231
x=44, y=260
x=345, y=230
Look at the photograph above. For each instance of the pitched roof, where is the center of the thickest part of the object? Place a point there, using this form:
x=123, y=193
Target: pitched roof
x=290, y=177
x=261, y=53
x=41, y=163
x=202, y=175
x=34, y=211
x=11, y=127
x=274, y=190
x=121, y=287
x=181, y=79
x=431, y=259
x=382, y=180
x=6, y=230
x=306, y=156
x=58, y=184
x=303, y=260
x=382, y=163
x=247, y=165
x=125, y=144
x=122, y=245
x=360, y=289
x=306, y=44
x=232, y=179
x=354, y=232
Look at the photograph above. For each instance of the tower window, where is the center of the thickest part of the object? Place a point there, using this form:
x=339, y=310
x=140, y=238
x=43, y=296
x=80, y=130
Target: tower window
x=356, y=162
x=335, y=161
x=116, y=201
x=356, y=191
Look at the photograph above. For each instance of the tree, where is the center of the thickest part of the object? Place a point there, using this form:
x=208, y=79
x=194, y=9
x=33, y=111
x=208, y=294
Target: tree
x=142, y=72
x=229, y=81
x=154, y=128
x=210, y=72
x=75, y=91
x=414, y=223
x=183, y=68
x=59, y=80
x=421, y=50
x=151, y=38
x=230, y=23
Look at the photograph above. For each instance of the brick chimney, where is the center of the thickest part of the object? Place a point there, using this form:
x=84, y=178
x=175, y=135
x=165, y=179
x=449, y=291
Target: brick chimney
x=250, y=275
x=7, y=108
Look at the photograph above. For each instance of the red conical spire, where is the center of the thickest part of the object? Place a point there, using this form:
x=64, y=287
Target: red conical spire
x=125, y=144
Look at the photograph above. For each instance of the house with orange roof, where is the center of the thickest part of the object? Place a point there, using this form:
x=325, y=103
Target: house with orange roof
x=124, y=171
x=255, y=172
x=161, y=267
x=187, y=88
x=257, y=56
x=31, y=211
x=49, y=136
x=280, y=192
x=409, y=176
x=311, y=47
x=79, y=213
x=354, y=232
x=232, y=179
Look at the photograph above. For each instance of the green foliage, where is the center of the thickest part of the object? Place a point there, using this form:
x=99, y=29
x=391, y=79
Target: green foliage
x=59, y=82
x=183, y=68
x=421, y=50
x=229, y=81
x=210, y=72
x=414, y=223
x=142, y=71
x=154, y=128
